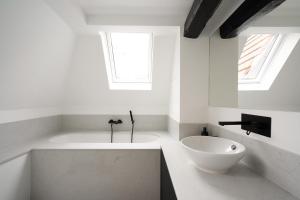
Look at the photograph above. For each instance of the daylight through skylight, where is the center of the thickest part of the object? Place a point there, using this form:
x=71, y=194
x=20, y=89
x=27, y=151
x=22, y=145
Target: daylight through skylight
x=254, y=54
x=262, y=58
x=128, y=58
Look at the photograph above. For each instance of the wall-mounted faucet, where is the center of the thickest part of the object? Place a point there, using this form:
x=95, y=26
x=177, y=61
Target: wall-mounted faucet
x=234, y=123
x=252, y=123
x=112, y=122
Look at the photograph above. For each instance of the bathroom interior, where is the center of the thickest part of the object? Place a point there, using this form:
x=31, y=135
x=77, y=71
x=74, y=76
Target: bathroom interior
x=149, y=100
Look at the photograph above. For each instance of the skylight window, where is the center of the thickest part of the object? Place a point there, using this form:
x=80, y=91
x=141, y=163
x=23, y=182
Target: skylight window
x=255, y=53
x=128, y=59
x=262, y=58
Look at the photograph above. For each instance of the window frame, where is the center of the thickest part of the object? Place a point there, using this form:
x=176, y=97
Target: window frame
x=114, y=83
x=261, y=80
x=273, y=64
x=265, y=62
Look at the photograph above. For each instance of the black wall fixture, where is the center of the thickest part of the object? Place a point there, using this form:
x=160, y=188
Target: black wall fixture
x=252, y=124
x=249, y=11
x=200, y=13
x=258, y=124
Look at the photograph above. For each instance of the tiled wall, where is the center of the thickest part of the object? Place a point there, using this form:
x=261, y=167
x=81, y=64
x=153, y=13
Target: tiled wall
x=100, y=122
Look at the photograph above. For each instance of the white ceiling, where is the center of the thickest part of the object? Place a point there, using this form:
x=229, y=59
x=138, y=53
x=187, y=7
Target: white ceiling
x=135, y=7
x=90, y=16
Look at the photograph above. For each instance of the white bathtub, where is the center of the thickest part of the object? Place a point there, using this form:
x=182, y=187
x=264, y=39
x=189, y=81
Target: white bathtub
x=104, y=137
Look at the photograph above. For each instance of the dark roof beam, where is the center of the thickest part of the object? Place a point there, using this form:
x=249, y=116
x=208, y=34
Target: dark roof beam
x=200, y=13
x=249, y=11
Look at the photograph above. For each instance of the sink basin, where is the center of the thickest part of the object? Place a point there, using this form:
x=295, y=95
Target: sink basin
x=213, y=154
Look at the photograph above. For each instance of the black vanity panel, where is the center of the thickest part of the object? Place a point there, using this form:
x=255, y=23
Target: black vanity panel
x=167, y=191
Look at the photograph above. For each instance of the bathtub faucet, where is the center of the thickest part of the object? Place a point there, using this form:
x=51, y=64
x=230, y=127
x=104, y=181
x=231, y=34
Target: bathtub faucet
x=112, y=122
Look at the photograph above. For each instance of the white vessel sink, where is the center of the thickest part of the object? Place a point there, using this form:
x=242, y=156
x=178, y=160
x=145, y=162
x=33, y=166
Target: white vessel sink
x=213, y=154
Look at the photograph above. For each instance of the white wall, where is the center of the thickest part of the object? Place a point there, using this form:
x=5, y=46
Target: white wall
x=223, y=75
x=34, y=54
x=189, y=89
x=15, y=179
x=87, y=90
x=174, y=104
x=194, y=67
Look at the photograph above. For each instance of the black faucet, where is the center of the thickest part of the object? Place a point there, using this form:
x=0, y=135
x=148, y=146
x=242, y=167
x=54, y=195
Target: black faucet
x=132, y=125
x=112, y=122
x=234, y=123
x=237, y=123
x=252, y=123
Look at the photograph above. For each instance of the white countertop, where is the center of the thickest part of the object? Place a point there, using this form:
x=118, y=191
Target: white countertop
x=189, y=182
x=240, y=183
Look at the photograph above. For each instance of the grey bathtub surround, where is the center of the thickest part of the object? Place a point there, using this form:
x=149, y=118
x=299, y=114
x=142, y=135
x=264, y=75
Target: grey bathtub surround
x=128, y=171
x=96, y=174
x=100, y=122
x=279, y=166
x=15, y=179
x=182, y=130
x=14, y=134
x=17, y=137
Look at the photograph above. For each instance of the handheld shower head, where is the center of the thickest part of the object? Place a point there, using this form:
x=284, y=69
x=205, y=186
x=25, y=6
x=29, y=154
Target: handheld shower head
x=131, y=117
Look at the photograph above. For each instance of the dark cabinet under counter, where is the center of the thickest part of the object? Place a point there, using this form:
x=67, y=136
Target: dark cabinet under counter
x=167, y=191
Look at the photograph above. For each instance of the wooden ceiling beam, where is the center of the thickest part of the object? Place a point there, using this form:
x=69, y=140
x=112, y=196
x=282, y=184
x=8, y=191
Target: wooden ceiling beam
x=200, y=13
x=249, y=11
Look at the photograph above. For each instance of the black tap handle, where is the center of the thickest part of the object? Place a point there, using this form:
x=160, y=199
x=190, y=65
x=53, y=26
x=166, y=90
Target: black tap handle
x=132, y=121
x=111, y=121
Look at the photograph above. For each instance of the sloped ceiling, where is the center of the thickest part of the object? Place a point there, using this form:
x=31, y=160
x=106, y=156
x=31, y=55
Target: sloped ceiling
x=35, y=51
x=88, y=16
x=284, y=19
x=288, y=8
